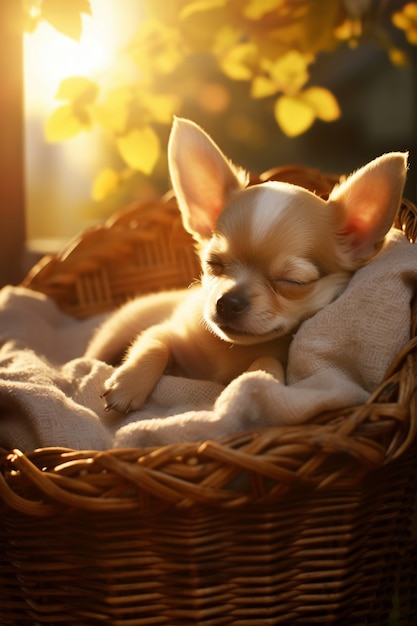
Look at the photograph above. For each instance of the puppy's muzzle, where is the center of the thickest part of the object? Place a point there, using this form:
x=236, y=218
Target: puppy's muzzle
x=231, y=305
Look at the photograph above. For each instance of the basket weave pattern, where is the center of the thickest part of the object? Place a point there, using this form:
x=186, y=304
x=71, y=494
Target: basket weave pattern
x=284, y=525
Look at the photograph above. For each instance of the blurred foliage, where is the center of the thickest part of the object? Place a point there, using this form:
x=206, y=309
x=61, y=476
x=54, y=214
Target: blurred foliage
x=181, y=44
x=62, y=15
x=407, y=21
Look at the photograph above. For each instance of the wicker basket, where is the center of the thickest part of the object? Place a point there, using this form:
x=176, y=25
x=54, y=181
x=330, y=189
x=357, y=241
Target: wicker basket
x=286, y=525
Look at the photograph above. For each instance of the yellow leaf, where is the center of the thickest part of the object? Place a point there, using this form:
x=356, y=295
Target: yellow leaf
x=31, y=17
x=65, y=15
x=262, y=87
x=161, y=107
x=238, y=62
x=201, y=23
x=255, y=9
x=293, y=115
x=397, y=57
x=106, y=183
x=323, y=103
x=410, y=10
x=77, y=88
x=156, y=48
x=200, y=5
x=225, y=37
x=113, y=113
x=64, y=124
x=412, y=36
x=349, y=30
x=290, y=71
x=406, y=19
x=140, y=149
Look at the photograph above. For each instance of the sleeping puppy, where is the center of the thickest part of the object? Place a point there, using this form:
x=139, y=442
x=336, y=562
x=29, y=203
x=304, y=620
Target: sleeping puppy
x=272, y=255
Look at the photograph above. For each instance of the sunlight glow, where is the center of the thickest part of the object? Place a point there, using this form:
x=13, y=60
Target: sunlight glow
x=50, y=56
x=59, y=176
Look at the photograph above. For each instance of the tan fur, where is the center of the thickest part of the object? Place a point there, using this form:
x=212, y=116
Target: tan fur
x=272, y=255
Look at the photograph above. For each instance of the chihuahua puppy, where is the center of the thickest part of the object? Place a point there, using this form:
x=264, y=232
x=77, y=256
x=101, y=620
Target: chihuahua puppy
x=272, y=255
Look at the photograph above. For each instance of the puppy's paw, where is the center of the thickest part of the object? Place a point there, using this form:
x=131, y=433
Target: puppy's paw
x=123, y=391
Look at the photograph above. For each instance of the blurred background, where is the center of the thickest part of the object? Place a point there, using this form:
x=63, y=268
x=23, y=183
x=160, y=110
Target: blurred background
x=101, y=80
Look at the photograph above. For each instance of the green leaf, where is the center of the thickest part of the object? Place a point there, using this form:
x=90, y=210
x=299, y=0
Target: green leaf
x=64, y=123
x=140, y=149
x=65, y=15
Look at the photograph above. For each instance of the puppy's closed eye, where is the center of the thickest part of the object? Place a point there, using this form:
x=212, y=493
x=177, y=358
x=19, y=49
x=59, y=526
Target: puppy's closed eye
x=292, y=282
x=295, y=274
x=295, y=278
x=289, y=281
x=214, y=265
x=290, y=289
x=295, y=271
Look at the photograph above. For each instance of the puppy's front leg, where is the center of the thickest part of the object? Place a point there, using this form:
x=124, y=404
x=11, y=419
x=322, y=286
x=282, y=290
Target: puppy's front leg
x=270, y=365
x=130, y=385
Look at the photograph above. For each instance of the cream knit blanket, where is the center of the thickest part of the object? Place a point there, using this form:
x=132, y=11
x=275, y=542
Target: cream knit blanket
x=50, y=393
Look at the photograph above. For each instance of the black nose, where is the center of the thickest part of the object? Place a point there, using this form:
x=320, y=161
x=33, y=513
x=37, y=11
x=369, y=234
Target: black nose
x=230, y=305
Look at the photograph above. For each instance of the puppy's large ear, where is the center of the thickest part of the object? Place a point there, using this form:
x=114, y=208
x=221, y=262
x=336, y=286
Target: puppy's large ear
x=202, y=177
x=366, y=203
